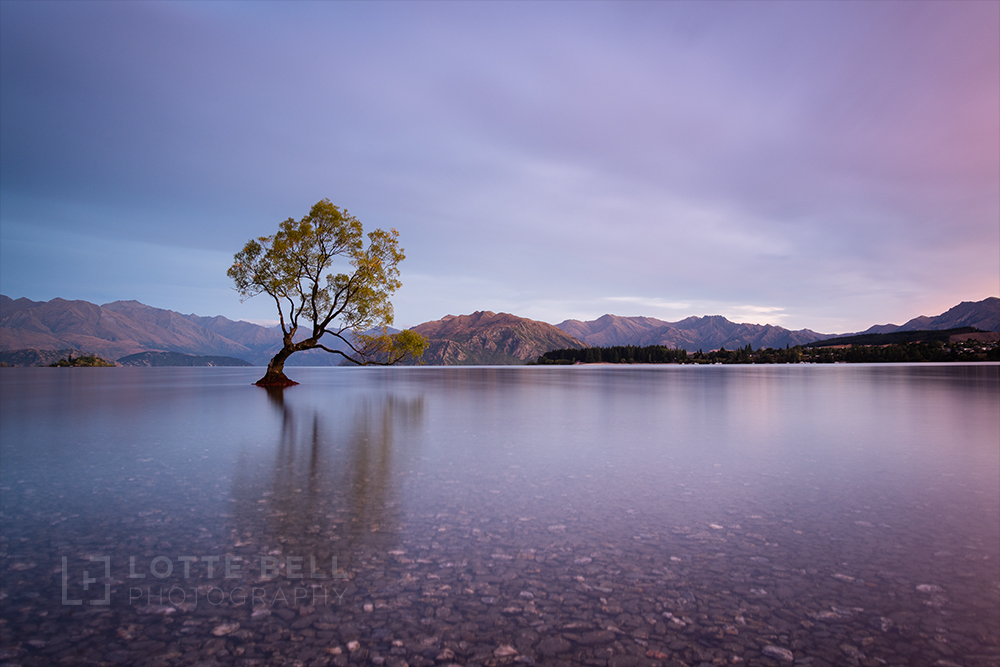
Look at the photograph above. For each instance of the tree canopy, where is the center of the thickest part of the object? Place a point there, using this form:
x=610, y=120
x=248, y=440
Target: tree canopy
x=353, y=305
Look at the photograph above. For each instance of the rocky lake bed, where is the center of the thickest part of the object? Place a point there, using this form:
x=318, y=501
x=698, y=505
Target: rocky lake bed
x=406, y=518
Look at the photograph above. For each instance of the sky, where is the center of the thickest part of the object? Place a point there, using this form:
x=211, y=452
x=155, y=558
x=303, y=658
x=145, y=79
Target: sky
x=822, y=165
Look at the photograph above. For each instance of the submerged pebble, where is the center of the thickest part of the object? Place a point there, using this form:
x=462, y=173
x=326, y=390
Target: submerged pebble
x=778, y=653
x=437, y=569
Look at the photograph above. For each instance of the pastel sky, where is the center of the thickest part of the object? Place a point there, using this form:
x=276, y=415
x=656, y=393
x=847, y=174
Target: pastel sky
x=805, y=164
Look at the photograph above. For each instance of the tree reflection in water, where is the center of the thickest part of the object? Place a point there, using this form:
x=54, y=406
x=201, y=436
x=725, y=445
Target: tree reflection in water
x=330, y=489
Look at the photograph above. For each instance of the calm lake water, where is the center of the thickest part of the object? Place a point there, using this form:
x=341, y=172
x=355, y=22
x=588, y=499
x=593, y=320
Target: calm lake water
x=821, y=515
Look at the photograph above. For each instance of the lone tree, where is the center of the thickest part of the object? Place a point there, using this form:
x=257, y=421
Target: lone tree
x=353, y=307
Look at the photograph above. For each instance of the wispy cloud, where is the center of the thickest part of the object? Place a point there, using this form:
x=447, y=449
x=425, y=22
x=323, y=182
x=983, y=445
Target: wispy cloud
x=835, y=162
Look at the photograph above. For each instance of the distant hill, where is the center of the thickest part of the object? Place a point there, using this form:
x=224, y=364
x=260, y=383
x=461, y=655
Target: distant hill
x=124, y=328
x=111, y=331
x=178, y=359
x=983, y=315
x=611, y=330
x=256, y=344
x=43, y=330
x=32, y=357
x=714, y=331
x=901, y=336
x=691, y=334
x=485, y=337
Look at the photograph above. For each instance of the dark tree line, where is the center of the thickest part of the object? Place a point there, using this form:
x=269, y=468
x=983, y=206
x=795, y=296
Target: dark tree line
x=905, y=352
x=616, y=354
x=896, y=337
x=939, y=351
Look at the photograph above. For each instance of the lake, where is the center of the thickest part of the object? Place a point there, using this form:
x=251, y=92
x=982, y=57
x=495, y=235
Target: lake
x=587, y=515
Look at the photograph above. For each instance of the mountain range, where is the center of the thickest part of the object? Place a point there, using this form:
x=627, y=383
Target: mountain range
x=714, y=331
x=489, y=338
x=983, y=315
x=122, y=328
x=692, y=334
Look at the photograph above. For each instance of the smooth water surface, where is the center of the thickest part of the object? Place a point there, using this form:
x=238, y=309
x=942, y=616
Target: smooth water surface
x=586, y=515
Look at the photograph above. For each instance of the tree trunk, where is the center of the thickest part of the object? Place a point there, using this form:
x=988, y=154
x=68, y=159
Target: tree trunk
x=275, y=375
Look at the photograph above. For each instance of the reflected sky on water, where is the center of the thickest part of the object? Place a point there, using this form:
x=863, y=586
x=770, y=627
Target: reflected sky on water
x=885, y=475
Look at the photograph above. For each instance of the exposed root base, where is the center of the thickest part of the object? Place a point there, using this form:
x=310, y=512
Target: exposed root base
x=275, y=384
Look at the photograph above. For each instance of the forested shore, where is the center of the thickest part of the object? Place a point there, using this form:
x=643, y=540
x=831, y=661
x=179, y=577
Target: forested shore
x=937, y=351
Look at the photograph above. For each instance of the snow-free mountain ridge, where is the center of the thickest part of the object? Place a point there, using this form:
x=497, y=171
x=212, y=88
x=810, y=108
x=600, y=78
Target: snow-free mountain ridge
x=983, y=315
x=488, y=338
x=692, y=334
x=121, y=328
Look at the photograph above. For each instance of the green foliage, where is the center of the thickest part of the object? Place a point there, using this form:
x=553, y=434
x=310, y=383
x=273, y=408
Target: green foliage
x=89, y=360
x=293, y=267
x=384, y=349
